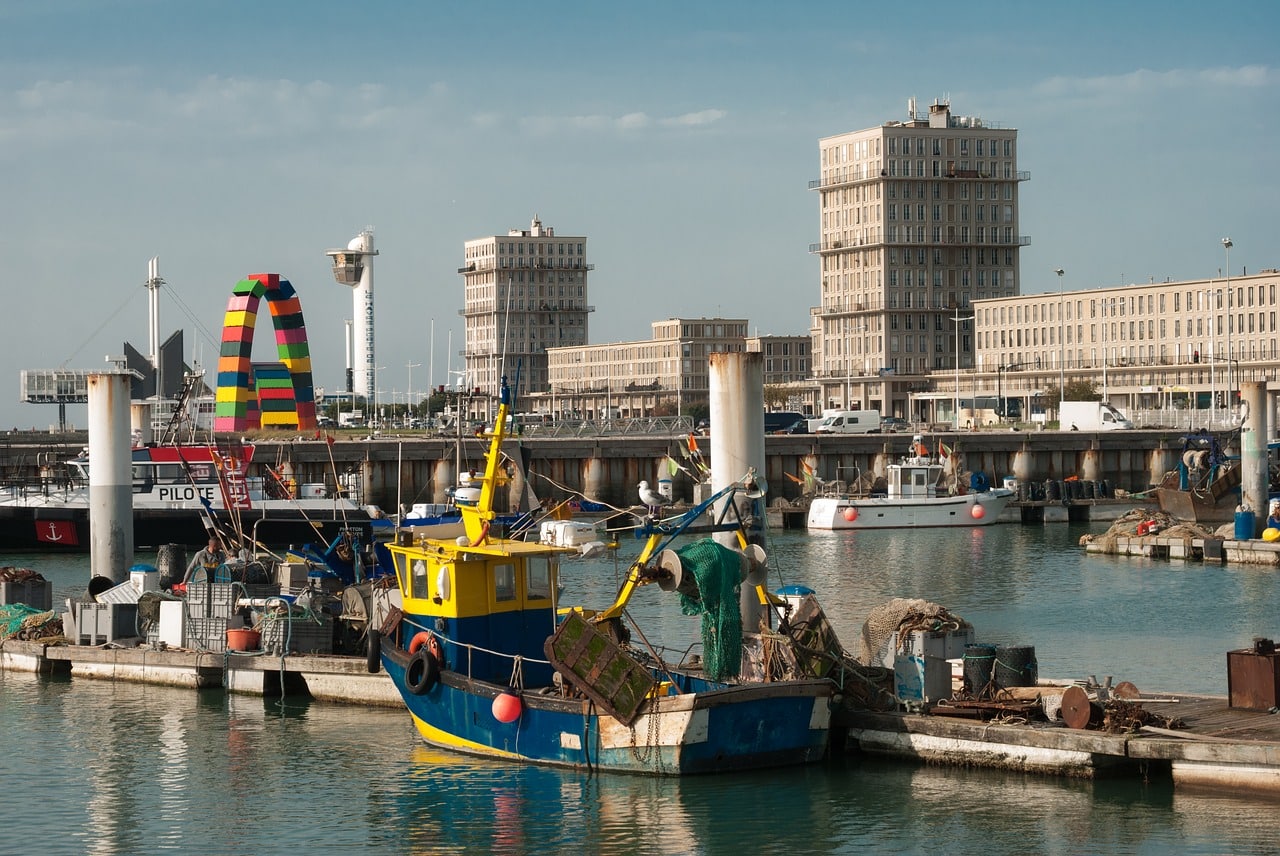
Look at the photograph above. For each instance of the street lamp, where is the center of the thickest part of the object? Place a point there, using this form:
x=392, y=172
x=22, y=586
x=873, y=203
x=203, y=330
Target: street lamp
x=1062, y=345
x=956, y=403
x=1231, y=390
x=409, y=395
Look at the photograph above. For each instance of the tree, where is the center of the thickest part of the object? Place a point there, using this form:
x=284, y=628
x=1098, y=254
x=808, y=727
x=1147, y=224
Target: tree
x=776, y=396
x=1077, y=390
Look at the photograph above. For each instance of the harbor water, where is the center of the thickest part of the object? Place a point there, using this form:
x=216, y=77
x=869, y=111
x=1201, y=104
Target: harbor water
x=112, y=768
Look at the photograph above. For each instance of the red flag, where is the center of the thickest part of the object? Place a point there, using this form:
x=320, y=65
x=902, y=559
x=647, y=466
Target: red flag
x=60, y=532
x=329, y=439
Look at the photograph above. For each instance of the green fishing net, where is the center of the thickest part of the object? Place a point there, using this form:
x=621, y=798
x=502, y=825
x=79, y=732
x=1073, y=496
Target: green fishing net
x=716, y=569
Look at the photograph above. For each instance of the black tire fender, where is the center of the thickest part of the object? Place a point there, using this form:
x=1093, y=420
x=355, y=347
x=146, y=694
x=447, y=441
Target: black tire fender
x=373, y=653
x=422, y=673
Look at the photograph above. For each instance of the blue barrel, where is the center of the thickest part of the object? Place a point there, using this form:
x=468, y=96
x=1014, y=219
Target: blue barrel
x=1244, y=525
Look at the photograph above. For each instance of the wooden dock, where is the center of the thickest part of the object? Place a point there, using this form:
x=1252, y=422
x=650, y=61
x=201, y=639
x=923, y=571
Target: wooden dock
x=1209, y=550
x=1220, y=745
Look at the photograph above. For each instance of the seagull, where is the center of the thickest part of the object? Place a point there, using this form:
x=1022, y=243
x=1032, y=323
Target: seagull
x=651, y=498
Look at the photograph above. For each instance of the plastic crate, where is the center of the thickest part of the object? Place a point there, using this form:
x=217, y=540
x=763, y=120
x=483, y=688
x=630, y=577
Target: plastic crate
x=207, y=634
x=125, y=592
x=35, y=593
x=299, y=635
x=100, y=623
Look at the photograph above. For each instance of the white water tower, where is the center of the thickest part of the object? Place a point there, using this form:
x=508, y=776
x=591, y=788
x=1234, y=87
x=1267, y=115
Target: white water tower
x=354, y=267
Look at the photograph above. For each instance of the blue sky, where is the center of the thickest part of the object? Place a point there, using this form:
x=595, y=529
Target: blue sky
x=231, y=138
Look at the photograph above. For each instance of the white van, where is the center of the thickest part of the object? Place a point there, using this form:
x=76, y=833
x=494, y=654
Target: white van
x=850, y=422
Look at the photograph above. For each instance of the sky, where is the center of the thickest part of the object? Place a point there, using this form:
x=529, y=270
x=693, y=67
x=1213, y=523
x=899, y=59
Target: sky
x=230, y=138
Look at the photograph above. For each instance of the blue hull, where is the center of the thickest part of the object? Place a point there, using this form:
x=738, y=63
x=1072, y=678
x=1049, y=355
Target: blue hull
x=737, y=727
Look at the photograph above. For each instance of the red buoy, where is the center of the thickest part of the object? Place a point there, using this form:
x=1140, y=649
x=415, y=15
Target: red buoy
x=850, y=513
x=506, y=708
x=977, y=512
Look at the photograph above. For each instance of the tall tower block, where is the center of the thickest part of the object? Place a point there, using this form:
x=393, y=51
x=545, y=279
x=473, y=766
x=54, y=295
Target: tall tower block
x=354, y=267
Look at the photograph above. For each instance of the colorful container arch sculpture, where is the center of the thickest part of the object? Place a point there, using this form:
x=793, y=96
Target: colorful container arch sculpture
x=264, y=395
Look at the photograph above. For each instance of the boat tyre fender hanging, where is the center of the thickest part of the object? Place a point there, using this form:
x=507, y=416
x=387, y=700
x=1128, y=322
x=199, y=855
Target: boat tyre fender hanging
x=422, y=673
x=373, y=653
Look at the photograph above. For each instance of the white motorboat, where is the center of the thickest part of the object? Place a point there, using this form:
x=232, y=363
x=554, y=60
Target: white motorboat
x=919, y=493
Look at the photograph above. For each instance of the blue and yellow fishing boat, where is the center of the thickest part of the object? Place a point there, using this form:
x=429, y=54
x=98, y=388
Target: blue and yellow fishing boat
x=489, y=663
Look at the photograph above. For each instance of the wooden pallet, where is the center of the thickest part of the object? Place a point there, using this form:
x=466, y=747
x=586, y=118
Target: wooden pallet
x=598, y=667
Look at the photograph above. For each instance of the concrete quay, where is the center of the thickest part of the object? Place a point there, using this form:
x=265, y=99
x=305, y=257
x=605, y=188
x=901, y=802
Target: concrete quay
x=607, y=466
x=324, y=677
x=1221, y=746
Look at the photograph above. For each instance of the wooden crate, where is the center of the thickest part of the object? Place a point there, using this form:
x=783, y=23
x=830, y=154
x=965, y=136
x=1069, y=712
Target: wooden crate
x=600, y=668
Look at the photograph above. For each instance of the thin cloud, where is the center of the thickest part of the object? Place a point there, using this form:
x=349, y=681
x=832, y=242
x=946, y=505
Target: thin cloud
x=702, y=117
x=1145, y=80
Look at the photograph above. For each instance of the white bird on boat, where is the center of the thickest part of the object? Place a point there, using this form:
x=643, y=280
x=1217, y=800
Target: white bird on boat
x=651, y=498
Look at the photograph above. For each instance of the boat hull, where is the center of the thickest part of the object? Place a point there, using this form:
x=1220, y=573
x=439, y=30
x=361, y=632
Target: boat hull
x=735, y=728
x=66, y=529
x=827, y=512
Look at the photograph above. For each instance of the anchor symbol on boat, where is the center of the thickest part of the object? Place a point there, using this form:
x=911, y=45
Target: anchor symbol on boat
x=53, y=535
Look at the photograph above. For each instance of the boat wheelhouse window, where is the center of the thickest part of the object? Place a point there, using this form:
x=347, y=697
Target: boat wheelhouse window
x=504, y=582
x=418, y=579
x=538, y=579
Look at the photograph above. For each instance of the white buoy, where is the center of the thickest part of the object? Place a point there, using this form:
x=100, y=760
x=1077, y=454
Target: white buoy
x=110, y=476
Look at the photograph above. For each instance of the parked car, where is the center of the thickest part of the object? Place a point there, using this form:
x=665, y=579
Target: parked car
x=894, y=425
x=801, y=426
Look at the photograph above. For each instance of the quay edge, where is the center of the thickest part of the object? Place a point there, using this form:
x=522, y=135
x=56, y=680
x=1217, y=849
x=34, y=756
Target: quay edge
x=608, y=466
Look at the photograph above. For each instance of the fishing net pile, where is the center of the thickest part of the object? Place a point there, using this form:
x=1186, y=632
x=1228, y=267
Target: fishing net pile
x=19, y=621
x=902, y=616
x=717, y=571
x=1126, y=526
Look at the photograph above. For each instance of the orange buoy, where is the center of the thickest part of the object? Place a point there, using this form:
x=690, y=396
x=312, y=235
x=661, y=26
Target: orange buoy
x=507, y=707
x=977, y=512
x=850, y=513
x=421, y=638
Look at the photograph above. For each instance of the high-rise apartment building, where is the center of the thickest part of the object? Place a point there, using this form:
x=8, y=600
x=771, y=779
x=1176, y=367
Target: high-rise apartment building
x=524, y=292
x=918, y=219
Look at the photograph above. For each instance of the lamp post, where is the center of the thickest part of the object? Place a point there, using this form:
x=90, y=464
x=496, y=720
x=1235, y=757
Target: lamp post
x=1062, y=345
x=956, y=403
x=1232, y=390
x=409, y=395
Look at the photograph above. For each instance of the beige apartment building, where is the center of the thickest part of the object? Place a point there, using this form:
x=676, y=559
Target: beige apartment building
x=919, y=219
x=523, y=293
x=1169, y=344
x=661, y=376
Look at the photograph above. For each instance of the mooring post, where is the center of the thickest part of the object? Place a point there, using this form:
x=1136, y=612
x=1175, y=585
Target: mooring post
x=110, y=476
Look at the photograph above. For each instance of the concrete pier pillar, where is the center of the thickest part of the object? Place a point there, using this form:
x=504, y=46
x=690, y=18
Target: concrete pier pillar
x=1024, y=465
x=140, y=422
x=1253, y=451
x=595, y=477
x=443, y=478
x=1091, y=465
x=737, y=424
x=1159, y=462
x=110, y=477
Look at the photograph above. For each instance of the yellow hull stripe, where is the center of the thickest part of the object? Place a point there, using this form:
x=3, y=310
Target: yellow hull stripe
x=437, y=737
